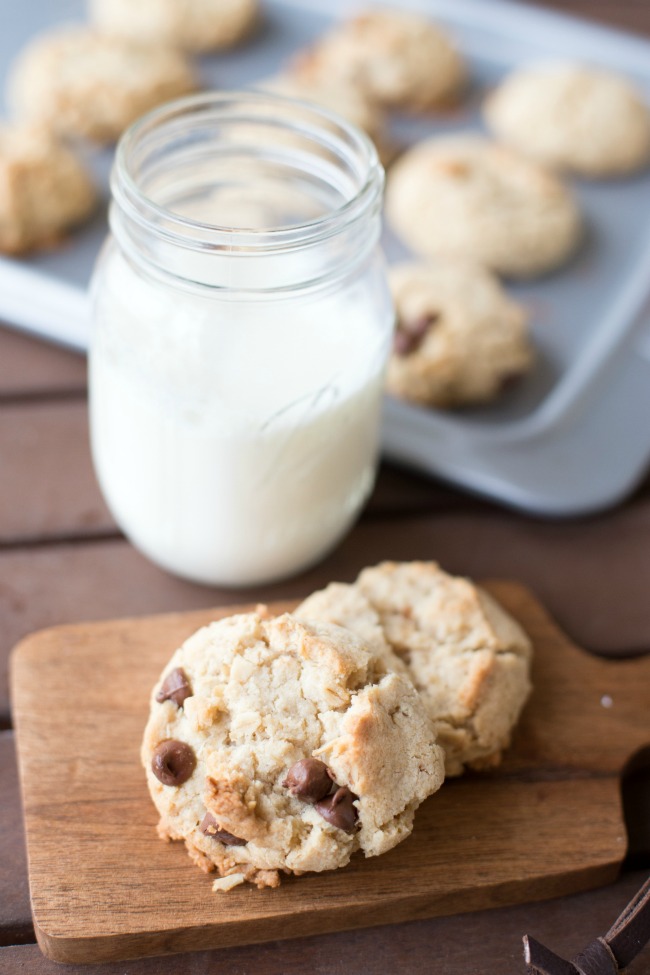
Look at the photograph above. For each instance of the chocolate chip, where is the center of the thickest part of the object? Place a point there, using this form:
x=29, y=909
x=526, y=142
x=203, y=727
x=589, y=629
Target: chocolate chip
x=410, y=335
x=210, y=827
x=309, y=780
x=173, y=762
x=338, y=809
x=509, y=380
x=175, y=687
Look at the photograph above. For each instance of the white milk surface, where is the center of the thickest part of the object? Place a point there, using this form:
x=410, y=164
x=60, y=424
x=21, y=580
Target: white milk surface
x=235, y=442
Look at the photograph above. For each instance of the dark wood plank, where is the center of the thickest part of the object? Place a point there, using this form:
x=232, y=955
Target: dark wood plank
x=31, y=367
x=488, y=943
x=48, y=484
x=592, y=575
x=50, y=492
x=15, y=914
x=631, y=15
x=547, y=821
x=399, y=491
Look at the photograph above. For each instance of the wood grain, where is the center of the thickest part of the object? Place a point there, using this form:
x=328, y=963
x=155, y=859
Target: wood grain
x=29, y=367
x=104, y=887
x=46, y=444
x=631, y=15
x=483, y=943
x=604, y=606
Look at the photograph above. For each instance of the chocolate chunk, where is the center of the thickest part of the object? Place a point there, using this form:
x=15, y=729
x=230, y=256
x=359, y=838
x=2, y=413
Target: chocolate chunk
x=508, y=380
x=309, y=780
x=409, y=336
x=175, y=687
x=173, y=762
x=338, y=809
x=210, y=827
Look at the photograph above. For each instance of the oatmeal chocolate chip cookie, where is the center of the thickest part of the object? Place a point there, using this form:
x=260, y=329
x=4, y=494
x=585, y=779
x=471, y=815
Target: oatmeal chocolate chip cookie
x=459, y=338
x=195, y=25
x=467, y=657
x=44, y=189
x=570, y=116
x=464, y=197
x=345, y=100
x=397, y=58
x=279, y=745
x=80, y=83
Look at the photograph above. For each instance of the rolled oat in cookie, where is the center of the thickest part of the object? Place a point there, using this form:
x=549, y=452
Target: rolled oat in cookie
x=296, y=747
x=460, y=339
x=463, y=197
x=44, y=189
x=467, y=657
x=344, y=99
x=78, y=82
x=195, y=25
x=397, y=58
x=572, y=116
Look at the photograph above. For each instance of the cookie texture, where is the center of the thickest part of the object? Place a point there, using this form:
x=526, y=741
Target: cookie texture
x=195, y=25
x=80, y=83
x=464, y=197
x=467, y=657
x=343, y=99
x=397, y=58
x=44, y=189
x=574, y=117
x=459, y=338
x=273, y=714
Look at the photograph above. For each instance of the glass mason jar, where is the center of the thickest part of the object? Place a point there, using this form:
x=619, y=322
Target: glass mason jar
x=242, y=322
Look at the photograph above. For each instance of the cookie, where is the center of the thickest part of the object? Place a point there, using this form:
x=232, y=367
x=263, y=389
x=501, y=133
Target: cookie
x=279, y=745
x=467, y=657
x=464, y=197
x=459, y=338
x=44, y=189
x=78, y=82
x=570, y=116
x=343, y=99
x=397, y=58
x=195, y=25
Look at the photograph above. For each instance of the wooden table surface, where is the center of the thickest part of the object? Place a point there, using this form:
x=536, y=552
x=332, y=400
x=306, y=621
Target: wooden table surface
x=62, y=559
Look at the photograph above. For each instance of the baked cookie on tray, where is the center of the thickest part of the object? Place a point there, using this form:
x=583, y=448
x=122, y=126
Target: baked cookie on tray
x=345, y=100
x=81, y=83
x=280, y=745
x=570, y=116
x=195, y=25
x=44, y=189
x=467, y=657
x=459, y=339
x=397, y=58
x=462, y=196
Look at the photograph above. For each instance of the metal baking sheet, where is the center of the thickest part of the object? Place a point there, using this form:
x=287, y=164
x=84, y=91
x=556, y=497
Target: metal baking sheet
x=574, y=437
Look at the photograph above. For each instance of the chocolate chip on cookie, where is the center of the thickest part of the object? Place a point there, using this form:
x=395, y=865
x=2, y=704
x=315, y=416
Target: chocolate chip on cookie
x=458, y=332
x=409, y=336
x=277, y=703
x=339, y=810
x=210, y=827
x=173, y=762
x=508, y=380
x=309, y=780
x=175, y=687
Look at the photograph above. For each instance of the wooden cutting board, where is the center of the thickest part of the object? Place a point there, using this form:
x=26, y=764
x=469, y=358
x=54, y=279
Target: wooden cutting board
x=103, y=887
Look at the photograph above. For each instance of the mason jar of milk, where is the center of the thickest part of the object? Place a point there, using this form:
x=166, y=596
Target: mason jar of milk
x=242, y=322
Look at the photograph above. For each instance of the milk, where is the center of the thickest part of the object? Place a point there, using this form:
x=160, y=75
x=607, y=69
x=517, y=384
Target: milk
x=235, y=441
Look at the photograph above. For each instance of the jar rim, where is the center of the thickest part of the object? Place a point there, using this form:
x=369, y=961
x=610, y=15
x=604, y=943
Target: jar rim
x=327, y=127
